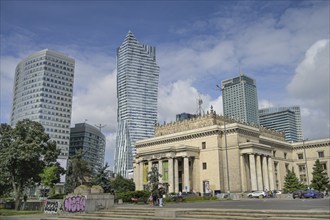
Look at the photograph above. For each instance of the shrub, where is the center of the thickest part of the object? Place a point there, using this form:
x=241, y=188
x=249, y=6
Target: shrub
x=57, y=196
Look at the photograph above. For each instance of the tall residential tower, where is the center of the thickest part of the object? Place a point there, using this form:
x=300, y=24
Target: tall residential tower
x=240, y=99
x=43, y=92
x=137, y=92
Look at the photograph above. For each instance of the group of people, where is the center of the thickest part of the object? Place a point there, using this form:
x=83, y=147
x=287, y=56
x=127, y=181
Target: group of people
x=271, y=193
x=156, y=198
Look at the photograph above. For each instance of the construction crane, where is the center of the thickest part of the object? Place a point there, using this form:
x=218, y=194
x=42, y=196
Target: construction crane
x=100, y=126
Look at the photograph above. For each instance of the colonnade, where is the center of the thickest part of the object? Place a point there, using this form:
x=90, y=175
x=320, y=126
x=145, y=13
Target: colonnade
x=173, y=173
x=260, y=171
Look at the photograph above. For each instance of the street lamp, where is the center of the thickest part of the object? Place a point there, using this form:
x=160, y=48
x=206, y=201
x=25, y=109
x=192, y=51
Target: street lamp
x=225, y=134
x=306, y=161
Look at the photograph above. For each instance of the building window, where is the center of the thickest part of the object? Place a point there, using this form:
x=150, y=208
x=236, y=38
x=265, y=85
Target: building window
x=204, y=166
x=303, y=178
x=302, y=168
x=203, y=145
x=321, y=154
x=324, y=166
x=300, y=156
x=285, y=155
x=274, y=153
x=286, y=167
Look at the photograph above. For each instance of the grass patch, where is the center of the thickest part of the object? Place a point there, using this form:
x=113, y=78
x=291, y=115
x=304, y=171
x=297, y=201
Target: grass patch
x=10, y=212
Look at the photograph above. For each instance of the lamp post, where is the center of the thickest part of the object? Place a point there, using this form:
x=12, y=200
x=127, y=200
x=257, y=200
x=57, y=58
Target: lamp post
x=225, y=134
x=306, y=161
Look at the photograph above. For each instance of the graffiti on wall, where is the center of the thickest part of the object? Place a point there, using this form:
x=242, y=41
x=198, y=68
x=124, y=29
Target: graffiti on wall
x=52, y=207
x=75, y=204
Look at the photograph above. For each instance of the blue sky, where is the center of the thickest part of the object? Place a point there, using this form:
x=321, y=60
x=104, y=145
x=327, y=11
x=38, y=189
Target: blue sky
x=284, y=45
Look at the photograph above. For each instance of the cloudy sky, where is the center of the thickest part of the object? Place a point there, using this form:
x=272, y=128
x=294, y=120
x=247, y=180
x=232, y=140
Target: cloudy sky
x=284, y=45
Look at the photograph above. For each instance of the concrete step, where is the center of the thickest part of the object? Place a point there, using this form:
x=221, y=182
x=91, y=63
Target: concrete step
x=145, y=213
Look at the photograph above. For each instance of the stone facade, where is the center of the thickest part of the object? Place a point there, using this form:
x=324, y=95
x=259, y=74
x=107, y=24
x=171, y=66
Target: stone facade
x=192, y=155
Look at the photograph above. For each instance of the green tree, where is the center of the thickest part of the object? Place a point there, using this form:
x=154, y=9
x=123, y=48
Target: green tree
x=153, y=180
x=24, y=152
x=120, y=184
x=320, y=179
x=78, y=171
x=101, y=178
x=51, y=175
x=292, y=182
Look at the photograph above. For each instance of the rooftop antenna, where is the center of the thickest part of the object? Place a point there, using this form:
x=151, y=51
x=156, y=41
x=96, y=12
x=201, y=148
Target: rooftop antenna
x=200, y=110
x=100, y=126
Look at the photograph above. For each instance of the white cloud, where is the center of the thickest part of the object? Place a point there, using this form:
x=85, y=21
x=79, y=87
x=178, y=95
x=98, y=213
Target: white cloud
x=265, y=104
x=310, y=85
x=177, y=98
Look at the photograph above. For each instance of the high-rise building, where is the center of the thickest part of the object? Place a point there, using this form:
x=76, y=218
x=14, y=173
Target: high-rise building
x=184, y=116
x=137, y=92
x=91, y=141
x=240, y=99
x=42, y=92
x=286, y=119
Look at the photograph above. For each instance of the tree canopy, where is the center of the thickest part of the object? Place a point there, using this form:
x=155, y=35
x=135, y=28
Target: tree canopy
x=24, y=152
x=51, y=175
x=101, y=179
x=291, y=182
x=120, y=184
x=320, y=179
x=78, y=172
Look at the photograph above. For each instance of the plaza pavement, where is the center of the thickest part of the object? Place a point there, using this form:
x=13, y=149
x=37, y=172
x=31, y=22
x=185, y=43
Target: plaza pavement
x=289, y=204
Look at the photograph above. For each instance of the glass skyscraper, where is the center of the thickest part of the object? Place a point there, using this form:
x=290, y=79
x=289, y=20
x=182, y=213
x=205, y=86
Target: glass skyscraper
x=91, y=141
x=137, y=92
x=240, y=99
x=43, y=88
x=286, y=119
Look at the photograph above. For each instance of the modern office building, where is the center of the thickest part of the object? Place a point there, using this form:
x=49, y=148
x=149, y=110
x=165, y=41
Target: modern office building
x=91, y=141
x=212, y=153
x=184, y=116
x=137, y=92
x=42, y=92
x=240, y=99
x=287, y=119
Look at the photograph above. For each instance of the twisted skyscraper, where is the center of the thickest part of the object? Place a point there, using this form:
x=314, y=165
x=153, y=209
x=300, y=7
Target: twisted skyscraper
x=137, y=92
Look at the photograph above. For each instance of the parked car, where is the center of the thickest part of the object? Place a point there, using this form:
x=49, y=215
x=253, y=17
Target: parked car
x=298, y=194
x=256, y=194
x=313, y=194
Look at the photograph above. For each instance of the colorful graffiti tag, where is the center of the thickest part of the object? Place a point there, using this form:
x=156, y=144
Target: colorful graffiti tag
x=52, y=207
x=75, y=204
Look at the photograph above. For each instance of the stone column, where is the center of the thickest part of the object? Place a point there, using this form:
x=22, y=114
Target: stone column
x=176, y=175
x=271, y=174
x=253, y=172
x=265, y=173
x=170, y=175
x=136, y=175
x=141, y=175
x=243, y=173
x=186, y=186
x=160, y=169
x=259, y=174
x=149, y=165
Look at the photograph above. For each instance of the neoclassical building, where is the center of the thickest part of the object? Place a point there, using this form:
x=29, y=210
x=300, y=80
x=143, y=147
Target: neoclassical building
x=211, y=153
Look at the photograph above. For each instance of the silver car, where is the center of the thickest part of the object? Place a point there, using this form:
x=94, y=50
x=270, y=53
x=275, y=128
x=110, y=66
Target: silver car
x=256, y=194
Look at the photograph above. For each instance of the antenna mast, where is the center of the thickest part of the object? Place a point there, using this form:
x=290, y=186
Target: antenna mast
x=200, y=110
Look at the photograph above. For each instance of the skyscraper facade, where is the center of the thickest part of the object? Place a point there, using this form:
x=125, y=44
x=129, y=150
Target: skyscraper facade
x=287, y=119
x=43, y=88
x=137, y=92
x=91, y=141
x=240, y=99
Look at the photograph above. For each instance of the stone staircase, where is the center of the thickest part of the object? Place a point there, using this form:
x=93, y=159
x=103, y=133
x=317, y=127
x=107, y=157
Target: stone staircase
x=143, y=213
